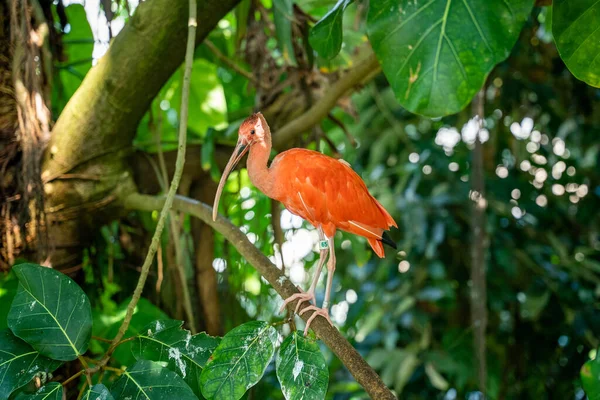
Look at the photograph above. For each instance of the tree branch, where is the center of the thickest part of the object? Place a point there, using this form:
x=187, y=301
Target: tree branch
x=102, y=116
x=479, y=247
x=231, y=64
x=357, y=366
x=356, y=76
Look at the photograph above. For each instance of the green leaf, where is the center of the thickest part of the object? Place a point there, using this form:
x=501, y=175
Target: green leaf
x=185, y=354
x=407, y=367
x=283, y=15
x=19, y=363
x=208, y=150
x=50, y=312
x=301, y=369
x=78, y=45
x=8, y=290
x=51, y=391
x=241, y=18
x=577, y=37
x=590, y=378
x=239, y=361
x=97, y=392
x=326, y=36
x=437, y=54
x=149, y=380
x=436, y=379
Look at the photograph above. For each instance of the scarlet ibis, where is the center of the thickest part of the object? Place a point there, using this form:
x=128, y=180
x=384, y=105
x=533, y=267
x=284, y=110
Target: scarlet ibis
x=320, y=189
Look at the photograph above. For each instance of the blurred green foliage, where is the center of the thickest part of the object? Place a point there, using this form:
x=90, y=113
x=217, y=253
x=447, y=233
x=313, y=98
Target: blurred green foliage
x=408, y=314
x=76, y=60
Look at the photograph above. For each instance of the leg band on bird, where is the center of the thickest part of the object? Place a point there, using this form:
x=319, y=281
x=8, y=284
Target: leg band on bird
x=323, y=244
x=310, y=294
x=324, y=310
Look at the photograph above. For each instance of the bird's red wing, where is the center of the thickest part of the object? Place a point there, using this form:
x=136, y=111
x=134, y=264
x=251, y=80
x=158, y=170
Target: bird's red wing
x=328, y=193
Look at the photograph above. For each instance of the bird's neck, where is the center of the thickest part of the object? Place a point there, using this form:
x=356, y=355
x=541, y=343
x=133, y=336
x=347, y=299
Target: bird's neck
x=258, y=171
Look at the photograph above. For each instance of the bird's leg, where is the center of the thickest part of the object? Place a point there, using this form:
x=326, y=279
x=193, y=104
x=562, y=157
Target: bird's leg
x=310, y=295
x=324, y=311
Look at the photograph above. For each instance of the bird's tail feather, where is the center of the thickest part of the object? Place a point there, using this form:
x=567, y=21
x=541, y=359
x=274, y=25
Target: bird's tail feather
x=377, y=247
x=386, y=239
x=377, y=244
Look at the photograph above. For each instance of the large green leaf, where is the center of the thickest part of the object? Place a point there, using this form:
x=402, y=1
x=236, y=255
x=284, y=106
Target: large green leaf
x=51, y=391
x=590, y=378
x=326, y=36
x=149, y=380
x=301, y=369
x=576, y=29
x=97, y=392
x=78, y=45
x=283, y=15
x=19, y=363
x=185, y=354
x=436, y=54
x=50, y=312
x=239, y=361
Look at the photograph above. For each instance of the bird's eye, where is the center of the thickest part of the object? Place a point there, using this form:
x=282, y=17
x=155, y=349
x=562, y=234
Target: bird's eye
x=252, y=132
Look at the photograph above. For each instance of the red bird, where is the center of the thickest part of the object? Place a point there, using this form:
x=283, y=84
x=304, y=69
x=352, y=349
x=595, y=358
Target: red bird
x=324, y=191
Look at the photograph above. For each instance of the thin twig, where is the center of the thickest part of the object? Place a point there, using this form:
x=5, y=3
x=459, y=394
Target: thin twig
x=357, y=366
x=73, y=377
x=100, y=339
x=87, y=367
x=129, y=339
x=111, y=369
x=176, y=228
x=179, y=163
x=341, y=125
x=101, y=376
x=159, y=261
x=82, y=390
x=285, y=135
x=90, y=360
x=222, y=57
x=332, y=146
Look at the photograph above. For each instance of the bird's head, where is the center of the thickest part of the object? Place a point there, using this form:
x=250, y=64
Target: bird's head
x=253, y=130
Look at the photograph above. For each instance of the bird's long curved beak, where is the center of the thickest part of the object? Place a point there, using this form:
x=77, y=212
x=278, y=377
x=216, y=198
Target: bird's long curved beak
x=238, y=153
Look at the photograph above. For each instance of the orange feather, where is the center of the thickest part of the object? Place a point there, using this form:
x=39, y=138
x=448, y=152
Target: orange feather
x=329, y=194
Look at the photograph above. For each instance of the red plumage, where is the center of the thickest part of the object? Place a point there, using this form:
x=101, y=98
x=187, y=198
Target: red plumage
x=329, y=194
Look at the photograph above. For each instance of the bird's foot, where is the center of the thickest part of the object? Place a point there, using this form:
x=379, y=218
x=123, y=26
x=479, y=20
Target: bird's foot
x=301, y=297
x=323, y=312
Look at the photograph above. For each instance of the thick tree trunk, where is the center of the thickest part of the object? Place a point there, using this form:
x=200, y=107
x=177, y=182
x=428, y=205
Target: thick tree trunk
x=25, y=62
x=86, y=167
x=8, y=144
